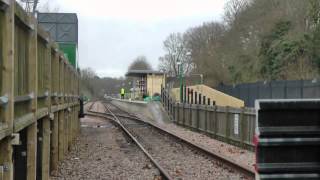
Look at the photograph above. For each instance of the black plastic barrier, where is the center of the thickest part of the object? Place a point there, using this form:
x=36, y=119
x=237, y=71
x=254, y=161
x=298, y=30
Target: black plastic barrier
x=288, y=139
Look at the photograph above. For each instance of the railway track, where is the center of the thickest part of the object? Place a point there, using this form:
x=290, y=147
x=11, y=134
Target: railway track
x=175, y=157
x=104, y=151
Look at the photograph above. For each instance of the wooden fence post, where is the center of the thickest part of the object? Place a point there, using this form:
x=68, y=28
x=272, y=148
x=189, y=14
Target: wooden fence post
x=61, y=112
x=178, y=113
x=206, y=115
x=164, y=99
x=188, y=96
x=32, y=88
x=190, y=115
x=45, y=89
x=65, y=132
x=46, y=149
x=242, y=127
x=227, y=124
x=161, y=91
x=173, y=113
x=170, y=107
x=204, y=100
x=55, y=143
x=198, y=116
x=32, y=66
x=54, y=102
x=32, y=151
x=183, y=115
x=215, y=123
x=168, y=101
x=7, y=87
x=61, y=135
x=6, y=158
x=184, y=93
x=191, y=96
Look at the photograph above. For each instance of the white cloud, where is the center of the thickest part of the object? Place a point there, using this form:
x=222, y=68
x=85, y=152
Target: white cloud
x=143, y=10
x=109, y=72
x=113, y=32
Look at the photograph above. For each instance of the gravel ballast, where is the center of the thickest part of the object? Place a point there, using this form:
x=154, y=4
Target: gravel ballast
x=104, y=153
x=179, y=159
x=237, y=154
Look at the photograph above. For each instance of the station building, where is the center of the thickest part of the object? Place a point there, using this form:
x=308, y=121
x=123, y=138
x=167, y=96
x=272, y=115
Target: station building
x=145, y=83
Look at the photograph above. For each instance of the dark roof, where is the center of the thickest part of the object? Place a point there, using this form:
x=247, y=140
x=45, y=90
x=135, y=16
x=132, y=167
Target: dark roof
x=142, y=72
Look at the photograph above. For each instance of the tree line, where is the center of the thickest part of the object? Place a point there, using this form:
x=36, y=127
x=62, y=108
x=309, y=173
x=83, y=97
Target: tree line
x=256, y=40
x=93, y=86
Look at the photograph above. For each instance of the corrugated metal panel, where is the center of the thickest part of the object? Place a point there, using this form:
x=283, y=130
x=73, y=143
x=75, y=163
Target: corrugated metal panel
x=67, y=33
x=51, y=28
x=47, y=17
x=67, y=18
x=63, y=27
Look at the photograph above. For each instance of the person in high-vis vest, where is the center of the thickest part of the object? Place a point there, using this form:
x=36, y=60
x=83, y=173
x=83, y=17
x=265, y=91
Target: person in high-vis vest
x=122, y=92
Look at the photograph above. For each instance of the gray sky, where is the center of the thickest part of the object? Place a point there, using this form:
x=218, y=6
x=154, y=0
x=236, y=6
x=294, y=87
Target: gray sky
x=113, y=32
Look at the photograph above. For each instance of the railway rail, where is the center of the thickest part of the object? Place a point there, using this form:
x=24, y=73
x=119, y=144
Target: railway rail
x=175, y=157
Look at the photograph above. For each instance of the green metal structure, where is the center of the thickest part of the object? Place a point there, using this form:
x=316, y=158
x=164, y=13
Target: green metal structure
x=70, y=51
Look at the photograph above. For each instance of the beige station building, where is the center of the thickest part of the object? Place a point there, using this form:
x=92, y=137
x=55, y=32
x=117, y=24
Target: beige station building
x=146, y=82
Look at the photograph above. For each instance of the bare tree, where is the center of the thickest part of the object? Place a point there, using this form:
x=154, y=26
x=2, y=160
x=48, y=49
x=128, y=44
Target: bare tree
x=233, y=9
x=87, y=77
x=140, y=63
x=176, y=51
x=48, y=7
x=88, y=73
x=94, y=86
x=205, y=43
x=32, y=6
x=29, y=5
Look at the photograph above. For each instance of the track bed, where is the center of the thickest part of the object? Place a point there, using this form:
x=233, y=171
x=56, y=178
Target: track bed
x=103, y=151
x=178, y=158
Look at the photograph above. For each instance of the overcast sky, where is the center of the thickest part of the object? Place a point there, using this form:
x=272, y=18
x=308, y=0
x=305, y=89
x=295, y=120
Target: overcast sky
x=113, y=32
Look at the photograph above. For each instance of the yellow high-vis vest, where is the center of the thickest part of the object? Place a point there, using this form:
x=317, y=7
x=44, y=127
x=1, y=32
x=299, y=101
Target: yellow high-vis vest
x=122, y=91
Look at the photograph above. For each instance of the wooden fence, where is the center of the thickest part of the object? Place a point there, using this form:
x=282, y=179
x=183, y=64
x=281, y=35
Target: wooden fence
x=38, y=98
x=232, y=125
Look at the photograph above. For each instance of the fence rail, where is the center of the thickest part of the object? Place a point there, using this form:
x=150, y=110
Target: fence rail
x=39, y=92
x=232, y=125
